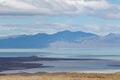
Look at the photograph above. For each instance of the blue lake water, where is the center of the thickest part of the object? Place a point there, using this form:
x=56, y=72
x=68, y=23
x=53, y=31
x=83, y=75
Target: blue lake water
x=113, y=54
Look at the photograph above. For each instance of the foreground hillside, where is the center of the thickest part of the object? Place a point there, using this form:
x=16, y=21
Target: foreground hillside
x=62, y=76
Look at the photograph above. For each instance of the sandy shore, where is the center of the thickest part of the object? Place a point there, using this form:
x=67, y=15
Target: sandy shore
x=62, y=76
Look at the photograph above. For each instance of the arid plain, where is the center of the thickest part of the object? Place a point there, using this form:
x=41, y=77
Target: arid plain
x=62, y=76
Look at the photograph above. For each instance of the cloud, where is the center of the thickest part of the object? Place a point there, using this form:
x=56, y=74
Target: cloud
x=100, y=8
x=113, y=12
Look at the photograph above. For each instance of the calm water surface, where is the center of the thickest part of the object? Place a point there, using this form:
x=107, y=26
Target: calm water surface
x=70, y=66
x=64, y=53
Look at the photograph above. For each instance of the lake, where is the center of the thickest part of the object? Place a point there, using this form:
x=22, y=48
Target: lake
x=111, y=56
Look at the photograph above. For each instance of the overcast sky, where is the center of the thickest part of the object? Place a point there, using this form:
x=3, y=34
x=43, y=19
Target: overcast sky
x=49, y=16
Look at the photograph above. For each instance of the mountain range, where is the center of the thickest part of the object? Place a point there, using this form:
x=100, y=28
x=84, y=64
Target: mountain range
x=63, y=39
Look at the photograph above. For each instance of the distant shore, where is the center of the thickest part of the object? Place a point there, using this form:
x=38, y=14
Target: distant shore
x=62, y=76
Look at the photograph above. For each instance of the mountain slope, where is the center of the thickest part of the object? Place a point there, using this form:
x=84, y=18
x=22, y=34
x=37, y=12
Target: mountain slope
x=64, y=39
x=41, y=40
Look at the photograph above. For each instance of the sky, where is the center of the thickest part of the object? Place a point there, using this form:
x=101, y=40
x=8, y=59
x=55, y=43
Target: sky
x=18, y=17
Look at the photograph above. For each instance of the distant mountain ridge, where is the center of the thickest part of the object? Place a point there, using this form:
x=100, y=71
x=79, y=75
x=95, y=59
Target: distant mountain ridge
x=63, y=39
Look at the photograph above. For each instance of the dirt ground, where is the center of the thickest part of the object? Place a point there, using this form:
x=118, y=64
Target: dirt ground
x=62, y=76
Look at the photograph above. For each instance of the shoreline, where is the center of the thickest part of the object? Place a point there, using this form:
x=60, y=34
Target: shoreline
x=79, y=72
x=41, y=73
